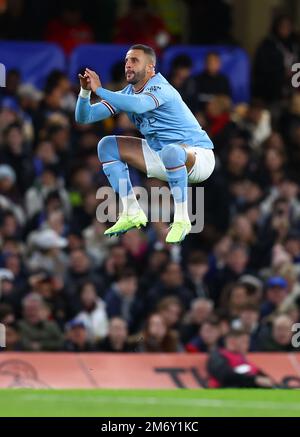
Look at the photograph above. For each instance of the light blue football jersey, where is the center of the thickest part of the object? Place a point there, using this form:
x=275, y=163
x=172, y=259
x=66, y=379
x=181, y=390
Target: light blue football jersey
x=171, y=121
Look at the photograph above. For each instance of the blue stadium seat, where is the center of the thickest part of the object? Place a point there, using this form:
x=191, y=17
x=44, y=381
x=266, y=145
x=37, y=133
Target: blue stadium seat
x=98, y=57
x=34, y=60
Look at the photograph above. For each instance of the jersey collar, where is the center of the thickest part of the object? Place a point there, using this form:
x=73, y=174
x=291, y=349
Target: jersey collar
x=144, y=86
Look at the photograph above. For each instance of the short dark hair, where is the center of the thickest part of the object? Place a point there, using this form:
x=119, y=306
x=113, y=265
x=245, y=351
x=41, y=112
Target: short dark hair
x=235, y=333
x=181, y=61
x=146, y=49
x=198, y=257
x=126, y=273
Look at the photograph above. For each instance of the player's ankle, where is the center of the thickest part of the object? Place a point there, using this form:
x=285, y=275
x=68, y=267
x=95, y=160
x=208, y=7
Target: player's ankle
x=181, y=212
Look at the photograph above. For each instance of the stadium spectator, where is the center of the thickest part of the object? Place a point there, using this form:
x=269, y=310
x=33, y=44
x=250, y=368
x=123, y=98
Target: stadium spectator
x=274, y=59
x=137, y=247
x=196, y=270
x=156, y=337
x=9, y=294
x=233, y=298
x=117, y=337
x=277, y=336
x=60, y=80
x=171, y=282
x=276, y=292
x=124, y=300
x=180, y=73
x=209, y=83
x=173, y=12
x=15, y=153
x=139, y=24
x=69, y=30
x=12, y=338
x=207, y=338
x=51, y=288
x=77, y=338
x=248, y=321
x=217, y=114
x=13, y=82
x=36, y=332
x=47, y=251
x=170, y=309
x=156, y=263
x=201, y=309
x=35, y=197
x=229, y=367
x=8, y=187
x=116, y=262
x=235, y=266
x=80, y=271
x=93, y=313
x=7, y=314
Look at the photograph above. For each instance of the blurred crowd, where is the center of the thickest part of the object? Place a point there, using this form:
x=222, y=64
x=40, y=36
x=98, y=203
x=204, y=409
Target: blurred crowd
x=64, y=286
x=153, y=22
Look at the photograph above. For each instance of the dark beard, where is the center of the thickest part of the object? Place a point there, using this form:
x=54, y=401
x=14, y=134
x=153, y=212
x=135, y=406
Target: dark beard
x=137, y=77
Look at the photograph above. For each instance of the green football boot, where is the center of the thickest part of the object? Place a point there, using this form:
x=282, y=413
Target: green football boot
x=178, y=232
x=127, y=222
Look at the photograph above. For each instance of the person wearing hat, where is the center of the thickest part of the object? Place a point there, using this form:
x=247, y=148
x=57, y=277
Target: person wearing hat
x=76, y=337
x=275, y=293
x=48, y=252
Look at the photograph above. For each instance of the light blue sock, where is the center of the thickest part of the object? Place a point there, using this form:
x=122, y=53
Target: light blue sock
x=117, y=173
x=174, y=159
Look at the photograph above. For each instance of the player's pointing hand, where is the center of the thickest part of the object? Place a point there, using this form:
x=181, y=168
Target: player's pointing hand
x=94, y=79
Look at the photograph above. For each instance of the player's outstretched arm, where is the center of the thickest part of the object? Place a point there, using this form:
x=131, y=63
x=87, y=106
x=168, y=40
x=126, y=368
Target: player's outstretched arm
x=124, y=102
x=138, y=104
x=85, y=112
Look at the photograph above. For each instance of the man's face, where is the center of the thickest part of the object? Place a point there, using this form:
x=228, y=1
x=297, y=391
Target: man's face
x=118, y=330
x=238, y=344
x=276, y=295
x=138, y=66
x=213, y=64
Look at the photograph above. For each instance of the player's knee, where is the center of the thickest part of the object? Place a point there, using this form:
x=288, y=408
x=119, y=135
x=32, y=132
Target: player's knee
x=173, y=155
x=107, y=148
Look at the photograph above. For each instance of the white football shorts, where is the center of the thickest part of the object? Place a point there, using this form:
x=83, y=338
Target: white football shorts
x=202, y=169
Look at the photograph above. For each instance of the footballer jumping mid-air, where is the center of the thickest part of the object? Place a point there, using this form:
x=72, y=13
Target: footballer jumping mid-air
x=175, y=149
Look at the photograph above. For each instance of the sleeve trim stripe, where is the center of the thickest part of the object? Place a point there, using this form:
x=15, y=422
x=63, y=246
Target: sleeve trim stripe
x=108, y=106
x=154, y=98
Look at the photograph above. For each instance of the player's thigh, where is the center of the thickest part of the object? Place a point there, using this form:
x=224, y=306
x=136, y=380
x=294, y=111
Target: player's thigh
x=131, y=151
x=204, y=165
x=190, y=159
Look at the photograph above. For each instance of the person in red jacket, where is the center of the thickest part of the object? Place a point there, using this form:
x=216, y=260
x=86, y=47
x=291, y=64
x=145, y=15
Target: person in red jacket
x=142, y=26
x=229, y=367
x=69, y=30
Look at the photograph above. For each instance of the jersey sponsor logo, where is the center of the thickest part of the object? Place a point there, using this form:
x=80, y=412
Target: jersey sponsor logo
x=153, y=88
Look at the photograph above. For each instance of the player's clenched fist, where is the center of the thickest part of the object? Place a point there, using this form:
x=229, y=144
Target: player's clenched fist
x=94, y=79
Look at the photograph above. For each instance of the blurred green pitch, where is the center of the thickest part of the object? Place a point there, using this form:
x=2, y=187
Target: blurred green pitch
x=149, y=403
